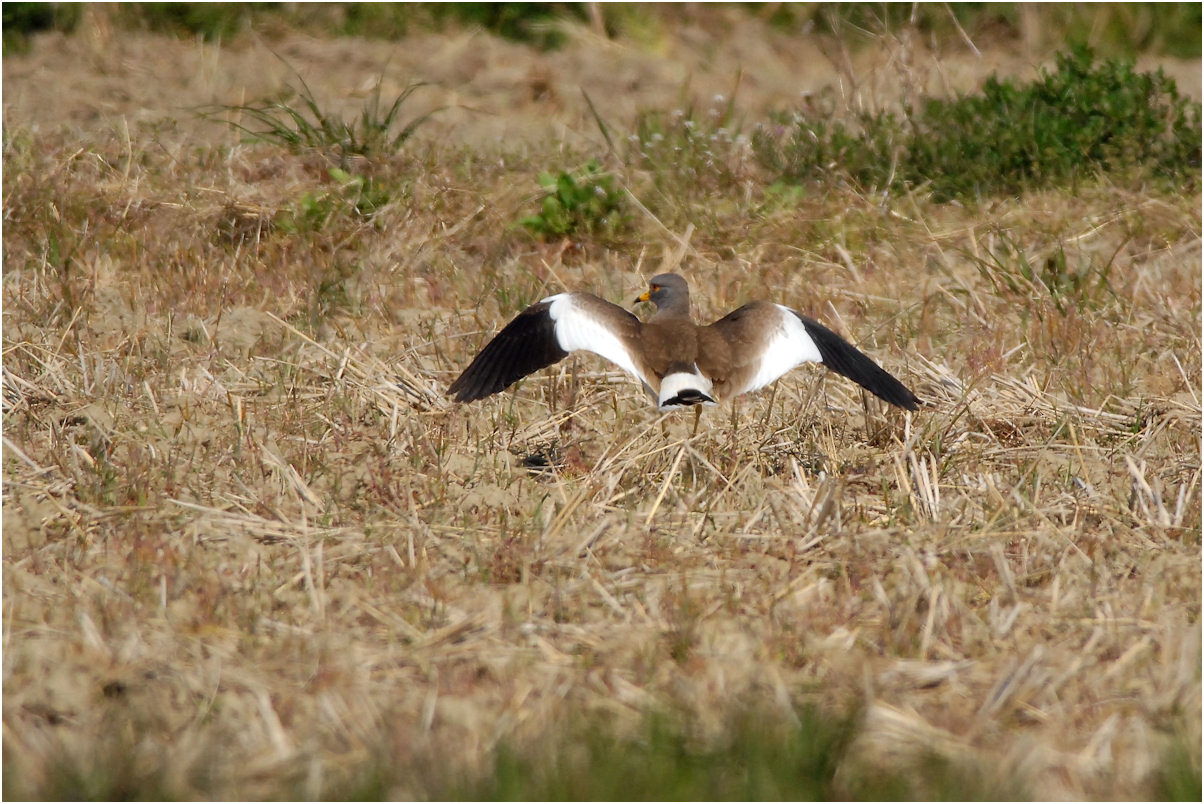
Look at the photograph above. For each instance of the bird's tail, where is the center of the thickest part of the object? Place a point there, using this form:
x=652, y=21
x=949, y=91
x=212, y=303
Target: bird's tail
x=684, y=388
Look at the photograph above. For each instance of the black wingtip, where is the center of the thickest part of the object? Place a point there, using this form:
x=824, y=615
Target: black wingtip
x=525, y=345
x=846, y=360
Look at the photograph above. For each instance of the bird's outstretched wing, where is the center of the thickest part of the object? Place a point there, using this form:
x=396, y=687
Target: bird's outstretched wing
x=773, y=339
x=545, y=333
x=846, y=360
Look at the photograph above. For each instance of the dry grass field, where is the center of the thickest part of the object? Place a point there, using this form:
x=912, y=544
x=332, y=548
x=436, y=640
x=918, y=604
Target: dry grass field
x=251, y=550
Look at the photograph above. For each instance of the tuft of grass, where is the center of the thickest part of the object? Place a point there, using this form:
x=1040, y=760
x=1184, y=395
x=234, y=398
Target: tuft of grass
x=303, y=124
x=1082, y=119
x=1016, y=274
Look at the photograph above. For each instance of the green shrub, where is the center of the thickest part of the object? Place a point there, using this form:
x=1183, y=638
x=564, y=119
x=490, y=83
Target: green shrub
x=1079, y=120
x=585, y=202
x=798, y=148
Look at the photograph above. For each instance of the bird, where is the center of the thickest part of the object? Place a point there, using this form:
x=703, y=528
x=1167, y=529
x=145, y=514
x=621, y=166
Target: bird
x=680, y=363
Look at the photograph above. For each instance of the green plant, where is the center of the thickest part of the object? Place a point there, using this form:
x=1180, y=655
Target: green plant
x=1121, y=28
x=587, y=201
x=307, y=125
x=1079, y=120
x=360, y=196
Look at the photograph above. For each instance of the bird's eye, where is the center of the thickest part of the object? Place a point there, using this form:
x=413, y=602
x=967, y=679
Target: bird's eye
x=655, y=288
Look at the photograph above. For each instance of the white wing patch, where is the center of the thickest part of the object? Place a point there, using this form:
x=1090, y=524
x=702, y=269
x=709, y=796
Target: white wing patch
x=577, y=329
x=788, y=346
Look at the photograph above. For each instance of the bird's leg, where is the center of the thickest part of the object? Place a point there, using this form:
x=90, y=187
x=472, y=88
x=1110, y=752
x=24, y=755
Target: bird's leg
x=731, y=436
x=697, y=416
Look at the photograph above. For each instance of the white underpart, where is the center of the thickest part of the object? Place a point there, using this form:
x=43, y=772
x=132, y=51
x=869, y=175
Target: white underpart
x=673, y=384
x=787, y=347
x=577, y=329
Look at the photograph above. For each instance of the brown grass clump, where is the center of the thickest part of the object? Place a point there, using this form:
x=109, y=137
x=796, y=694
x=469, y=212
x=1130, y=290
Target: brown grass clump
x=251, y=550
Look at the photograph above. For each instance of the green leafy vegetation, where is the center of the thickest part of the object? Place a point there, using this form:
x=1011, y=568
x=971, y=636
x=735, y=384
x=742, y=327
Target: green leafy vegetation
x=587, y=201
x=1082, y=118
x=1079, y=120
x=360, y=196
x=536, y=24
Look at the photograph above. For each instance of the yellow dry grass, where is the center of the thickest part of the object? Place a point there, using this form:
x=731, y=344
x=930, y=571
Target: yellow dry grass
x=245, y=532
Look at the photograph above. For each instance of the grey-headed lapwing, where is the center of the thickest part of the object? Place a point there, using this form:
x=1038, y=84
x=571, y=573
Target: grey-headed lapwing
x=679, y=362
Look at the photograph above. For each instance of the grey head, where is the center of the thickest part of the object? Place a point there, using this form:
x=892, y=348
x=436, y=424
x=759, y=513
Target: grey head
x=670, y=294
